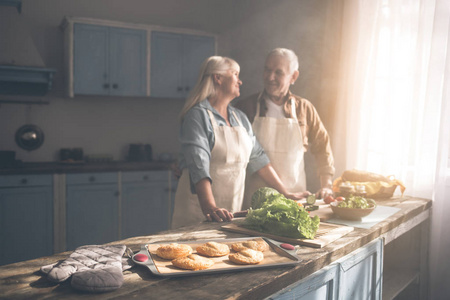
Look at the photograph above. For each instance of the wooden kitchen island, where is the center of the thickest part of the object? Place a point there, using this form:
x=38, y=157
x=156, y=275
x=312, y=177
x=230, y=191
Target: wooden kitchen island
x=403, y=238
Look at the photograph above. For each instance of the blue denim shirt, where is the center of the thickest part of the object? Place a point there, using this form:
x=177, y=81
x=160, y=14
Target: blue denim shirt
x=197, y=140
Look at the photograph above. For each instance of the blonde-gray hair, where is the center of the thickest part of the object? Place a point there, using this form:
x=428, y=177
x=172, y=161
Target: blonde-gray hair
x=289, y=55
x=204, y=88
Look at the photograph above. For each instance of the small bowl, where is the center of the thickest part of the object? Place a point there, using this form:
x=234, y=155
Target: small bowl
x=355, y=214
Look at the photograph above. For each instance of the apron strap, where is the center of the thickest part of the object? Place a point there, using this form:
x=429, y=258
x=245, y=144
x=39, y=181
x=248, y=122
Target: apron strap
x=237, y=119
x=293, y=113
x=213, y=120
x=258, y=101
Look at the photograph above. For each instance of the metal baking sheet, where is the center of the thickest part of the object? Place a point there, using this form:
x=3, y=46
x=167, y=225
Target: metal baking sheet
x=274, y=257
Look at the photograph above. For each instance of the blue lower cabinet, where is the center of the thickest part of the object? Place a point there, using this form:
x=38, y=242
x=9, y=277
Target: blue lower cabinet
x=360, y=274
x=92, y=209
x=26, y=217
x=145, y=203
x=320, y=285
x=355, y=276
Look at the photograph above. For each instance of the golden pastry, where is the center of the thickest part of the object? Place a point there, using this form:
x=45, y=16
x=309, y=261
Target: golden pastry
x=247, y=257
x=173, y=250
x=193, y=262
x=258, y=245
x=213, y=249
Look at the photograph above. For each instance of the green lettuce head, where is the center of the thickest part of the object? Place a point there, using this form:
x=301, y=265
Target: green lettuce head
x=262, y=195
x=273, y=213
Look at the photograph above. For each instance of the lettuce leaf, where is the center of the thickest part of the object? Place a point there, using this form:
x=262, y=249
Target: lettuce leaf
x=275, y=214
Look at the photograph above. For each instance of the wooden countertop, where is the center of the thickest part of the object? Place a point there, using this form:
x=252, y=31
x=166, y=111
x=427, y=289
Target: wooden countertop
x=24, y=281
x=82, y=167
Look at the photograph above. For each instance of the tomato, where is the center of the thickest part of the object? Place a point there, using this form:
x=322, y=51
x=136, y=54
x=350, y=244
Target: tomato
x=329, y=199
x=339, y=199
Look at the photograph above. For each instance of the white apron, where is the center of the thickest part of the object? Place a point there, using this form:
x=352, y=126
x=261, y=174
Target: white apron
x=282, y=141
x=229, y=159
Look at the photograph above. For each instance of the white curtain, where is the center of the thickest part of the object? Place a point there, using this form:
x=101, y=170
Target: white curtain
x=394, y=111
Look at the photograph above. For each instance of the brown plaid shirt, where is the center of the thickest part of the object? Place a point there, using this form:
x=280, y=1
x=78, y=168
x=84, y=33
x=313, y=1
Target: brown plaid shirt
x=315, y=136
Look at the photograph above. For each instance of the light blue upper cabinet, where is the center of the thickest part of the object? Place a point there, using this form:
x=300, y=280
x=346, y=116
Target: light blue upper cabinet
x=109, y=60
x=175, y=62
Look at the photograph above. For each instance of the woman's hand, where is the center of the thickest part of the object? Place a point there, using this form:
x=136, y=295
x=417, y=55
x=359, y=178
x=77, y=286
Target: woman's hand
x=216, y=214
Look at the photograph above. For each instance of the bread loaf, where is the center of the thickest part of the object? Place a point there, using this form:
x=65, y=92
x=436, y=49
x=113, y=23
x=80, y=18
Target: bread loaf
x=362, y=176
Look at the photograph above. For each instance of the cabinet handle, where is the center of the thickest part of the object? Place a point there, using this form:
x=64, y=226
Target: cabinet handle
x=116, y=193
x=115, y=86
x=106, y=86
x=145, y=177
x=92, y=179
x=24, y=181
x=179, y=89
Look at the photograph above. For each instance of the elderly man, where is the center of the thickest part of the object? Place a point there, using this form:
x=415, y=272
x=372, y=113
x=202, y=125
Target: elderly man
x=286, y=126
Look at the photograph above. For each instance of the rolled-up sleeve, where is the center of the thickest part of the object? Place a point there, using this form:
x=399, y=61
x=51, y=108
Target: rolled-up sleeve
x=195, y=145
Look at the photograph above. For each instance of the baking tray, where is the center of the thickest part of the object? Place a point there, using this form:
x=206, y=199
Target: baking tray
x=274, y=257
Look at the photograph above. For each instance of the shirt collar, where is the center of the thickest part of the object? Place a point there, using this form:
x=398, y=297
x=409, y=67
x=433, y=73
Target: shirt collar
x=205, y=104
x=263, y=95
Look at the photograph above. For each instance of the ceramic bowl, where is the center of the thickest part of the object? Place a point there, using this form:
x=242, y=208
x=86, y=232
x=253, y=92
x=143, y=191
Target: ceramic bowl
x=355, y=214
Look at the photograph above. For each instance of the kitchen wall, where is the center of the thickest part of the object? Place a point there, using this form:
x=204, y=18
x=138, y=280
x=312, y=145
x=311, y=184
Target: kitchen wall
x=247, y=30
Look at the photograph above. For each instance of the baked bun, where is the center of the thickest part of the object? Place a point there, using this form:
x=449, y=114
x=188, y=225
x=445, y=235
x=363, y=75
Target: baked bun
x=193, y=262
x=247, y=257
x=174, y=250
x=258, y=245
x=213, y=249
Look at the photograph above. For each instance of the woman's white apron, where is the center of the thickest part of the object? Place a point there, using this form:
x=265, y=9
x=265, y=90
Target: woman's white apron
x=229, y=159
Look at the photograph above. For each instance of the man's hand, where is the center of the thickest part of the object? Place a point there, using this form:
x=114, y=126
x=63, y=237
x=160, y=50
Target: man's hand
x=323, y=193
x=297, y=196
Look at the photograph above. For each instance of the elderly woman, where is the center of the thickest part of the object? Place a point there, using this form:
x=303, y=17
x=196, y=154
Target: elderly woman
x=217, y=145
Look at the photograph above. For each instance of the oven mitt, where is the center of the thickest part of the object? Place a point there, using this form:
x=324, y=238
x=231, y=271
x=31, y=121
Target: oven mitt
x=94, y=268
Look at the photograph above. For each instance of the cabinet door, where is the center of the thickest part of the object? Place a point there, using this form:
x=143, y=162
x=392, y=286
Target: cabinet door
x=109, y=61
x=175, y=62
x=361, y=272
x=92, y=209
x=166, y=61
x=128, y=62
x=195, y=50
x=320, y=285
x=26, y=219
x=145, y=203
x=90, y=60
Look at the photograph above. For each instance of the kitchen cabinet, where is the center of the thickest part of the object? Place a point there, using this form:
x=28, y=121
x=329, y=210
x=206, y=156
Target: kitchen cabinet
x=26, y=217
x=355, y=276
x=109, y=60
x=175, y=62
x=112, y=58
x=145, y=202
x=92, y=209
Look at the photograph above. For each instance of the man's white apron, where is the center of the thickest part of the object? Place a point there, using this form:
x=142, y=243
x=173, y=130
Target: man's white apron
x=282, y=141
x=229, y=159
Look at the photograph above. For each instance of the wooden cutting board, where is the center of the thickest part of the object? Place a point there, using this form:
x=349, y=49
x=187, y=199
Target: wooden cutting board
x=326, y=234
x=324, y=212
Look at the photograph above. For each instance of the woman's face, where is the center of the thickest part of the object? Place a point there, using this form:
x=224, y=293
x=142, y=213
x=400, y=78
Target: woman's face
x=231, y=83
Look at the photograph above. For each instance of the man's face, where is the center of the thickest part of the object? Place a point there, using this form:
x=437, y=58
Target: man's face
x=277, y=77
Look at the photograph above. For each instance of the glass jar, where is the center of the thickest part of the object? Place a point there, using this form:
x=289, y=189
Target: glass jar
x=360, y=190
x=346, y=189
